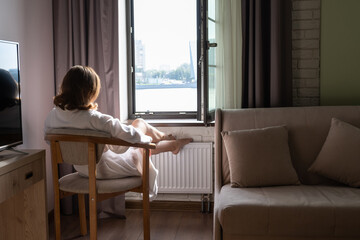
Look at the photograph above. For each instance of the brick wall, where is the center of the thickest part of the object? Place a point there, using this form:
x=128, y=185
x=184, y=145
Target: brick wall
x=306, y=52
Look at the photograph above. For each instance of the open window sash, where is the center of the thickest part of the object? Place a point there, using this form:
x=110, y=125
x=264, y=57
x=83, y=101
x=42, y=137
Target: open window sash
x=207, y=63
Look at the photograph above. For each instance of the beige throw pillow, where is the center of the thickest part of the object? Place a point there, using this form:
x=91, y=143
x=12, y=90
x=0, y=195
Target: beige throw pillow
x=339, y=157
x=259, y=157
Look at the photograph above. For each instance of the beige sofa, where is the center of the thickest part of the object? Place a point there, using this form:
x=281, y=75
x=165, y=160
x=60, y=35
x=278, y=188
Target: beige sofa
x=317, y=208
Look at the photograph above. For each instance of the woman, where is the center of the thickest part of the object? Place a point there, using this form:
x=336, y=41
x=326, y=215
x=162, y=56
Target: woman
x=75, y=107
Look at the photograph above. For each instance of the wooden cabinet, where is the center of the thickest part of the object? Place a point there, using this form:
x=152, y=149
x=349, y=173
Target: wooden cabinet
x=23, y=210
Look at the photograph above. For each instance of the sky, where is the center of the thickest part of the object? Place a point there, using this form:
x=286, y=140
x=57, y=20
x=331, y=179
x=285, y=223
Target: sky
x=165, y=28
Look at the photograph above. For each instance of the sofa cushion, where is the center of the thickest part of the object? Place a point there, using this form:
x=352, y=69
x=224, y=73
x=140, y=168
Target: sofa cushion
x=298, y=211
x=339, y=158
x=259, y=157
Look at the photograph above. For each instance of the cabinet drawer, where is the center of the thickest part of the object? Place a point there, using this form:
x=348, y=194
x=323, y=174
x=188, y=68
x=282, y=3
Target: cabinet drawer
x=17, y=180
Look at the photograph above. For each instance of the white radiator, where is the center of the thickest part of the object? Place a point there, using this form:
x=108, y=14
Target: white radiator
x=190, y=171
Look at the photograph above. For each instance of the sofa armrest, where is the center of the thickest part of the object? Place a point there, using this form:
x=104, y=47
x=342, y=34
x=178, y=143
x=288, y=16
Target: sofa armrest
x=218, y=152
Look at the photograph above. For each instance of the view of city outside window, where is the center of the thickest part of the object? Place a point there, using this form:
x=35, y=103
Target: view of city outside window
x=165, y=56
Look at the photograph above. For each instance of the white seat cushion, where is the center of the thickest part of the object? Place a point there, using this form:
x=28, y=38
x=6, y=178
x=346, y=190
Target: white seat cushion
x=75, y=183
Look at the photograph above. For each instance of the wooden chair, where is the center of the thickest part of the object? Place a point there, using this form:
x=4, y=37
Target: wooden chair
x=84, y=147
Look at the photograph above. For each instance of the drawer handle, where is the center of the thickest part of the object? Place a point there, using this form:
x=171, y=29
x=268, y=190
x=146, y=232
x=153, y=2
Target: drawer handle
x=29, y=175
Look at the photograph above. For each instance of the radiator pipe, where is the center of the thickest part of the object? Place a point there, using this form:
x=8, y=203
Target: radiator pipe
x=209, y=204
x=202, y=203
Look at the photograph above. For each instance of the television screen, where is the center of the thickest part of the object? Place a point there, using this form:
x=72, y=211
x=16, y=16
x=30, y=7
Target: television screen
x=10, y=102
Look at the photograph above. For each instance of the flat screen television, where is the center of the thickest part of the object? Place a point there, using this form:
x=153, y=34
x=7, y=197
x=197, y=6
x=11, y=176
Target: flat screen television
x=10, y=102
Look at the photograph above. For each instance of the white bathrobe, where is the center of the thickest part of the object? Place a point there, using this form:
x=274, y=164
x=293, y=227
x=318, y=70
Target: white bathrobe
x=116, y=162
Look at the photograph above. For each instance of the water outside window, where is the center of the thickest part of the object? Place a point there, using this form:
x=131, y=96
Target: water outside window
x=165, y=55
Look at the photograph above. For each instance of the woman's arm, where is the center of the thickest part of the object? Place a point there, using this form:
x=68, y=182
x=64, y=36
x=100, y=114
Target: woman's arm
x=113, y=126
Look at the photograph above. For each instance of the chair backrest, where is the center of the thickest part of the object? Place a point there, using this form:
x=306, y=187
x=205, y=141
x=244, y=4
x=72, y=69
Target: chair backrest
x=76, y=153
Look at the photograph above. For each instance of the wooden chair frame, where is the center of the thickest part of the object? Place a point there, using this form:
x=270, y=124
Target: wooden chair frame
x=94, y=197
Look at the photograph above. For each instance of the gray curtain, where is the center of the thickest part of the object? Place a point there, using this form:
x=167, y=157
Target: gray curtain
x=267, y=66
x=86, y=33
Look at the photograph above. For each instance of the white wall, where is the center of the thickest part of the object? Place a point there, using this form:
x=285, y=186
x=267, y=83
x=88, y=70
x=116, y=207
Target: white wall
x=30, y=24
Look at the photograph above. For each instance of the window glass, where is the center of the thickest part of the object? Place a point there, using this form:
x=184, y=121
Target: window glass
x=211, y=30
x=211, y=9
x=211, y=81
x=165, y=54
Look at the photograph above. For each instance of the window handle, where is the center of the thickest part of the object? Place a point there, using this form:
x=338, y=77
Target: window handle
x=209, y=45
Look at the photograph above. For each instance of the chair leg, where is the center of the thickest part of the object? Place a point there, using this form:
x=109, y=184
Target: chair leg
x=57, y=217
x=145, y=192
x=92, y=191
x=82, y=214
x=146, y=216
x=93, y=218
x=54, y=159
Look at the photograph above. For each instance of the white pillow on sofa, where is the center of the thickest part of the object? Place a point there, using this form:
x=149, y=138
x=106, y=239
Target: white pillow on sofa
x=259, y=157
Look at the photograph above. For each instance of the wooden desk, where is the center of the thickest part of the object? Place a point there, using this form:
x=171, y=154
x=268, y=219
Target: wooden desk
x=23, y=210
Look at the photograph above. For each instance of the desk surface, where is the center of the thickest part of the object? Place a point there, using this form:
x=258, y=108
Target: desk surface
x=10, y=160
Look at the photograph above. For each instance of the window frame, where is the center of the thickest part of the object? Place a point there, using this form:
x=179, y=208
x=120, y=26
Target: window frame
x=202, y=74
x=209, y=115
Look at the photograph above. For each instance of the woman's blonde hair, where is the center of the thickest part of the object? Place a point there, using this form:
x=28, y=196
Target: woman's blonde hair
x=80, y=87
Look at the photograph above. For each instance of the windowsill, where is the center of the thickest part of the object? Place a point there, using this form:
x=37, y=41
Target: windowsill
x=174, y=122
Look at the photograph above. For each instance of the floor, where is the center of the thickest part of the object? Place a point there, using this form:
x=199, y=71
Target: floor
x=164, y=225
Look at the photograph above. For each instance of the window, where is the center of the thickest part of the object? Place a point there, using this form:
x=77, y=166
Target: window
x=167, y=50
